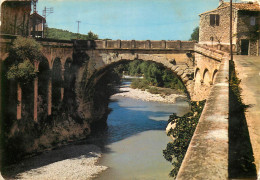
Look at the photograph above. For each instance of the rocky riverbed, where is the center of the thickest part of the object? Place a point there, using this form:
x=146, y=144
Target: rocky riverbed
x=126, y=91
x=70, y=162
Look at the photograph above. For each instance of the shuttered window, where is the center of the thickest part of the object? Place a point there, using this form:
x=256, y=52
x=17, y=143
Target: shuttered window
x=214, y=19
x=217, y=20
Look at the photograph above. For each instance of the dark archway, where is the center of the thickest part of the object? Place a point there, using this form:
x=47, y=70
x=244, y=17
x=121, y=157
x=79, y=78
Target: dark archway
x=43, y=82
x=67, y=77
x=56, y=84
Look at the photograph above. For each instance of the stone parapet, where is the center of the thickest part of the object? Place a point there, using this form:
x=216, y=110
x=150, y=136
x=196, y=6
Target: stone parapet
x=207, y=155
x=210, y=52
x=133, y=44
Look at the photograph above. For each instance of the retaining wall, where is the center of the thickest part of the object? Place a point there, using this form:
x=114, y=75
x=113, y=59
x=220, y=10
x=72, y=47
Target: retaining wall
x=207, y=155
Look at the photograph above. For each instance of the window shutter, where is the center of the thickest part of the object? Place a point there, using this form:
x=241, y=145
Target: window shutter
x=212, y=19
x=217, y=20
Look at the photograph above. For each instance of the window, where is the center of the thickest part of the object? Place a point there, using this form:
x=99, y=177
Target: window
x=214, y=20
x=252, y=21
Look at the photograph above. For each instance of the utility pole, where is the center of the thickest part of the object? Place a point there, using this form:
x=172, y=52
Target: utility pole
x=78, y=27
x=231, y=34
x=46, y=11
x=34, y=2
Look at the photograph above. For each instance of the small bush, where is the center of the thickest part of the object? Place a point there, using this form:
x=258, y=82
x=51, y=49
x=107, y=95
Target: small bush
x=140, y=84
x=154, y=90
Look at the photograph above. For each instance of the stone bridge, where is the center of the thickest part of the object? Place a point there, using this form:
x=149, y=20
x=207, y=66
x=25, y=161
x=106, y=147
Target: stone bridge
x=202, y=69
x=194, y=64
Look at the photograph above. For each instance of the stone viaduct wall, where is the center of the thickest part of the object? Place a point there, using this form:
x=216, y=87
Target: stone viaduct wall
x=207, y=155
x=175, y=55
x=208, y=62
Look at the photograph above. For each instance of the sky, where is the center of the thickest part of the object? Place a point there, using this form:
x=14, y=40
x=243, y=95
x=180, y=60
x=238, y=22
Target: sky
x=128, y=19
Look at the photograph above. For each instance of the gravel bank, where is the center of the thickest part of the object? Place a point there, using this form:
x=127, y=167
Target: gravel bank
x=146, y=96
x=70, y=162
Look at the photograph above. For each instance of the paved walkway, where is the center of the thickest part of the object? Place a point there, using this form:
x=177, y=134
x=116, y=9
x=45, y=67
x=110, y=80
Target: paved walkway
x=248, y=70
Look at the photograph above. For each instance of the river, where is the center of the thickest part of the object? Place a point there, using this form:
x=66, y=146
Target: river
x=135, y=138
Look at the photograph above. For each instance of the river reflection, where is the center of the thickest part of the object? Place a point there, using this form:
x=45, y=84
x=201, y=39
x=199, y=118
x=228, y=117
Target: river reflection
x=135, y=138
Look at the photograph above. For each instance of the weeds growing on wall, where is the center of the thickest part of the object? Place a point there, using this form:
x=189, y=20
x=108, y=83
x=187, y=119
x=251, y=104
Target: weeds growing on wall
x=241, y=160
x=182, y=132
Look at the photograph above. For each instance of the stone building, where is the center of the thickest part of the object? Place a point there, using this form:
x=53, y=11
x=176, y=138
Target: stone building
x=37, y=23
x=215, y=27
x=15, y=15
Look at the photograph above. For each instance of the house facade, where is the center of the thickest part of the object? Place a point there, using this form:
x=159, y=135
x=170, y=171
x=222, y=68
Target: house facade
x=215, y=27
x=37, y=23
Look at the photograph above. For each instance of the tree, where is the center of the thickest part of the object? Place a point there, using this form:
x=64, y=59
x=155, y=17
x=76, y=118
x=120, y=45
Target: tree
x=22, y=55
x=195, y=34
x=92, y=36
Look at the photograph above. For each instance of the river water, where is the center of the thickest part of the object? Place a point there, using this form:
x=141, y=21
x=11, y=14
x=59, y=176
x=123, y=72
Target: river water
x=135, y=138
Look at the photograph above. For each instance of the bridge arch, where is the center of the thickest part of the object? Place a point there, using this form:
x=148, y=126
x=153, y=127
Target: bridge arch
x=176, y=70
x=206, y=77
x=214, y=76
x=197, y=76
x=43, y=88
x=56, y=77
x=67, y=76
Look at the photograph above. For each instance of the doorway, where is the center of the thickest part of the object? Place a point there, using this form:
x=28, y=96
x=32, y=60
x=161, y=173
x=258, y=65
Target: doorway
x=244, y=46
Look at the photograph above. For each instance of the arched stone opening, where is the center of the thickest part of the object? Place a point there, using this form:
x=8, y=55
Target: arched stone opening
x=214, y=76
x=95, y=91
x=43, y=88
x=10, y=93
x=56, y=77
x=197, y=76
x=67, y=77
x=206, y=77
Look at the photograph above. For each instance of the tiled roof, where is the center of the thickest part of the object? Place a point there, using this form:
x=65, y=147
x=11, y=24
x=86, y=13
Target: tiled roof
x=39, y=16
x=243, y=6
x=238, y=6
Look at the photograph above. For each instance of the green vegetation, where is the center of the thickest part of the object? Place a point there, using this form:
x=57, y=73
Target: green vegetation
x=241, y=159
x=23, y=53
x=23, y=71
x=154, y=75
x=195, y=34
x=183, y=132
x=54, y=33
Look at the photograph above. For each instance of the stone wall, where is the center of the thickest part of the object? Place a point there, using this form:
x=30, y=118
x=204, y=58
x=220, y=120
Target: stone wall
x=247, y=31
x=220, y=34
x=208, y=61
x=133, y=44
x=207, y=155
x=15, y=17
x=216, y=35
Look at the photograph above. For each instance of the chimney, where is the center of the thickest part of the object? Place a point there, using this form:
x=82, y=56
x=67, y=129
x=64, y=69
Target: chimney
x=221, y=2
